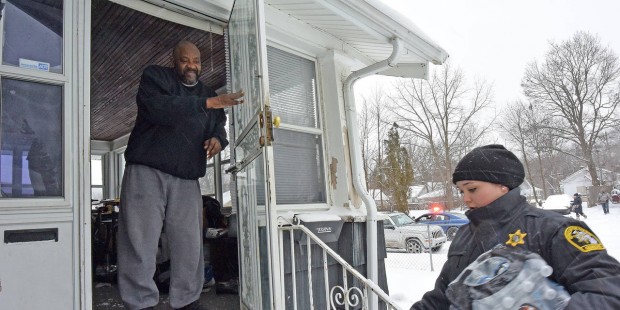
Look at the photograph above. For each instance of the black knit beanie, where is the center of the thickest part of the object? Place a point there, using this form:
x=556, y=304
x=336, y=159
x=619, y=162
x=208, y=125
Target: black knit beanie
x=490, y=163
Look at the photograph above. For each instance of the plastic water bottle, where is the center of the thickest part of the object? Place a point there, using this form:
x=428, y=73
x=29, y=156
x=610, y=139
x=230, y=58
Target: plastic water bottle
x=507, y=278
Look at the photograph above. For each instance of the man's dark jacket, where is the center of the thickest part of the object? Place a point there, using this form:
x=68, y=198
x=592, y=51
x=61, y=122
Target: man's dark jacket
x=577, y=257
x=172, y=125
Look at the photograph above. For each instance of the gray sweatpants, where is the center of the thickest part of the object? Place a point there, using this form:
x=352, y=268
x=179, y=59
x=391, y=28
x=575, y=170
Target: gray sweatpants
x=150, y=200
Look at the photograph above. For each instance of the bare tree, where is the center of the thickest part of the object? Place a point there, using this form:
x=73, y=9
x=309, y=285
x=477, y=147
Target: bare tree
x=440, y=111
x=424, y=168
x=367, y=127
x=577, y=84
x=514, y=124
x=373, y=128
x=523, y=127
x=539, y=139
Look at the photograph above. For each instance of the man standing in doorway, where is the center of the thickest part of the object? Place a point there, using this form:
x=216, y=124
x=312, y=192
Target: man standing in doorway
x=180, y=123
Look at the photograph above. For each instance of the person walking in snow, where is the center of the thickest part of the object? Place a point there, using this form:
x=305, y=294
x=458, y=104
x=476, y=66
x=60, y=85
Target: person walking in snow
x=603, y=199
x=577, y=206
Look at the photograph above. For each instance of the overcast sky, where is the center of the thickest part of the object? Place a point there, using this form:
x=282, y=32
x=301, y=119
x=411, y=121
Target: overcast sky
x=495, y=39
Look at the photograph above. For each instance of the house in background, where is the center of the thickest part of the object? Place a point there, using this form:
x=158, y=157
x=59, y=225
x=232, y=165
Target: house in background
x=580, y=181
x=381, y=199
x=420, y=196
x=527, y=190
x=414, y=192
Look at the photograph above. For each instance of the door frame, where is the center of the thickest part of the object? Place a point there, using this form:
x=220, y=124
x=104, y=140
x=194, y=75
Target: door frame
x=81, y=10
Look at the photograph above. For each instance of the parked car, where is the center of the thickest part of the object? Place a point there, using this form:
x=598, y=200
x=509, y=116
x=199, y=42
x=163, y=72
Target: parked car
x=448, y=221
x=401, y=232
x=560, y=203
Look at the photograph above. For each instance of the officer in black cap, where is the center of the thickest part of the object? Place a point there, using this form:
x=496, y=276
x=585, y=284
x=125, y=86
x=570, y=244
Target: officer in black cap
x=488, y=179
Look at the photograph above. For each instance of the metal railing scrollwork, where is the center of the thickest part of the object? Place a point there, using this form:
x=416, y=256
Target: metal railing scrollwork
x=349, y=294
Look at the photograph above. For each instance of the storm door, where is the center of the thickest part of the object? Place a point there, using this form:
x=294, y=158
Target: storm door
x=253, y=158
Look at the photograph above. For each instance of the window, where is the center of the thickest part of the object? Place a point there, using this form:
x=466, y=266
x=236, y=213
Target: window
x=401, y=219
x=208, y=183
x=298, y=147
x=120, y=170
x=387, y=224
x=425, y=218
x=96, y=177
x=33, y=34
x=30, y=139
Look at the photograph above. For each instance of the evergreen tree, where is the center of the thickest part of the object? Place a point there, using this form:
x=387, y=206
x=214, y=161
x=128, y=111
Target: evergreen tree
x=398, y=170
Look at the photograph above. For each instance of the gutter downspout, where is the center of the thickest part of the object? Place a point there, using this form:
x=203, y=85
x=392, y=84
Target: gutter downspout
x=357, y=170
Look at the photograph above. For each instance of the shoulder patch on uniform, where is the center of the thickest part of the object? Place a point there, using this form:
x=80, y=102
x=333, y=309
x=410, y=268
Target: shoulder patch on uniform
x=582, y=239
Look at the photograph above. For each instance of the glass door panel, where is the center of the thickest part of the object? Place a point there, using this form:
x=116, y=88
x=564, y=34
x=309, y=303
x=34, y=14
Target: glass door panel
x=245, y=62
x=33, y=34
x=30, y=140
x=253, y=157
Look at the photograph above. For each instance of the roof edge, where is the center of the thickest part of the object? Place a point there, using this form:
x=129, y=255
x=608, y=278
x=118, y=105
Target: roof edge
x=401, y=26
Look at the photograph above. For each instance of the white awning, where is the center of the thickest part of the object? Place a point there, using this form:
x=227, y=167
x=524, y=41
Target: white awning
x=363, y=26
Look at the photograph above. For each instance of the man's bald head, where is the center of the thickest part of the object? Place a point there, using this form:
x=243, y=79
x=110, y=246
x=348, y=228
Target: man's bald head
x=183, y=45
x=186, y=60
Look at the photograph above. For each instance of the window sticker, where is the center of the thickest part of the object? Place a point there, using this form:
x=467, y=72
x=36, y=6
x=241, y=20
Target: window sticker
x=33, y=64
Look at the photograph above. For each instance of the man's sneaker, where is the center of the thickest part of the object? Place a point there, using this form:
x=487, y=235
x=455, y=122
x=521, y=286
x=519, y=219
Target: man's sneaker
x=206, y=287
x=229, y=287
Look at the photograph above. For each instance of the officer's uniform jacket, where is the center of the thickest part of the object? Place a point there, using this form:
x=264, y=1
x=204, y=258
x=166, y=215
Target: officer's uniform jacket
x=579, y=260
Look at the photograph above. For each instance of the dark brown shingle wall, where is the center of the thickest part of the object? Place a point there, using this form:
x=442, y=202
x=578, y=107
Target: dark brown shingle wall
x=124, y=42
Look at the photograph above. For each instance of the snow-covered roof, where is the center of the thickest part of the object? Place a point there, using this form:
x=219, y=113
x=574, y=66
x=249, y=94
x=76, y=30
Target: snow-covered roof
x=415, y=190
x=436, y=193
x=583, y=172
x=376, y=194
x=576, y=174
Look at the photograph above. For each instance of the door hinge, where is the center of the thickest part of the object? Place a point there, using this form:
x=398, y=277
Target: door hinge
x=267, y=123
x=235, y=168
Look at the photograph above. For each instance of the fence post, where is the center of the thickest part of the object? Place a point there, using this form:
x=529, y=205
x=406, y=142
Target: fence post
x=430, y=250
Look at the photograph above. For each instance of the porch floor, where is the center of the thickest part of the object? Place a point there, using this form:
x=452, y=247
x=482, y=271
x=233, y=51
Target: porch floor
x=106, y=296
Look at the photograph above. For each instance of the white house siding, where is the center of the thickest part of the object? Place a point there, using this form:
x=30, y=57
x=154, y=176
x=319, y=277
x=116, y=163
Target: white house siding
x=576, y=184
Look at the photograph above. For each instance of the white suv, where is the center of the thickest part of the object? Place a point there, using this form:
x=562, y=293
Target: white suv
x=402, y=232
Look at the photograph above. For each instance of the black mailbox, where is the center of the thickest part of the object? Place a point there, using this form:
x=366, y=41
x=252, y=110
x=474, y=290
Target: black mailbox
x=326, y=227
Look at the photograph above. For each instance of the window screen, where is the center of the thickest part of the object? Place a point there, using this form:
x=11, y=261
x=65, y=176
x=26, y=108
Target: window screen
x=298, y=150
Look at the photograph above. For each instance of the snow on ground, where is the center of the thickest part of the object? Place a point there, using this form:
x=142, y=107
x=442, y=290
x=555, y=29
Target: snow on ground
x=407, y=285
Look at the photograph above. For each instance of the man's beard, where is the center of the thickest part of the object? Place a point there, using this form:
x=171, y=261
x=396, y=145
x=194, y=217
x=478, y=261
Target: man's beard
x=190, y=81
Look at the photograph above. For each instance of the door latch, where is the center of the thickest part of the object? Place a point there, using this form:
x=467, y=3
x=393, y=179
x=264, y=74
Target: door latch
x=267, y=121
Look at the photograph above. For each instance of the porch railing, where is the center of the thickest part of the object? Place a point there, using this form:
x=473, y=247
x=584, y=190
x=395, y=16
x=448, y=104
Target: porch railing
x=349, y=294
